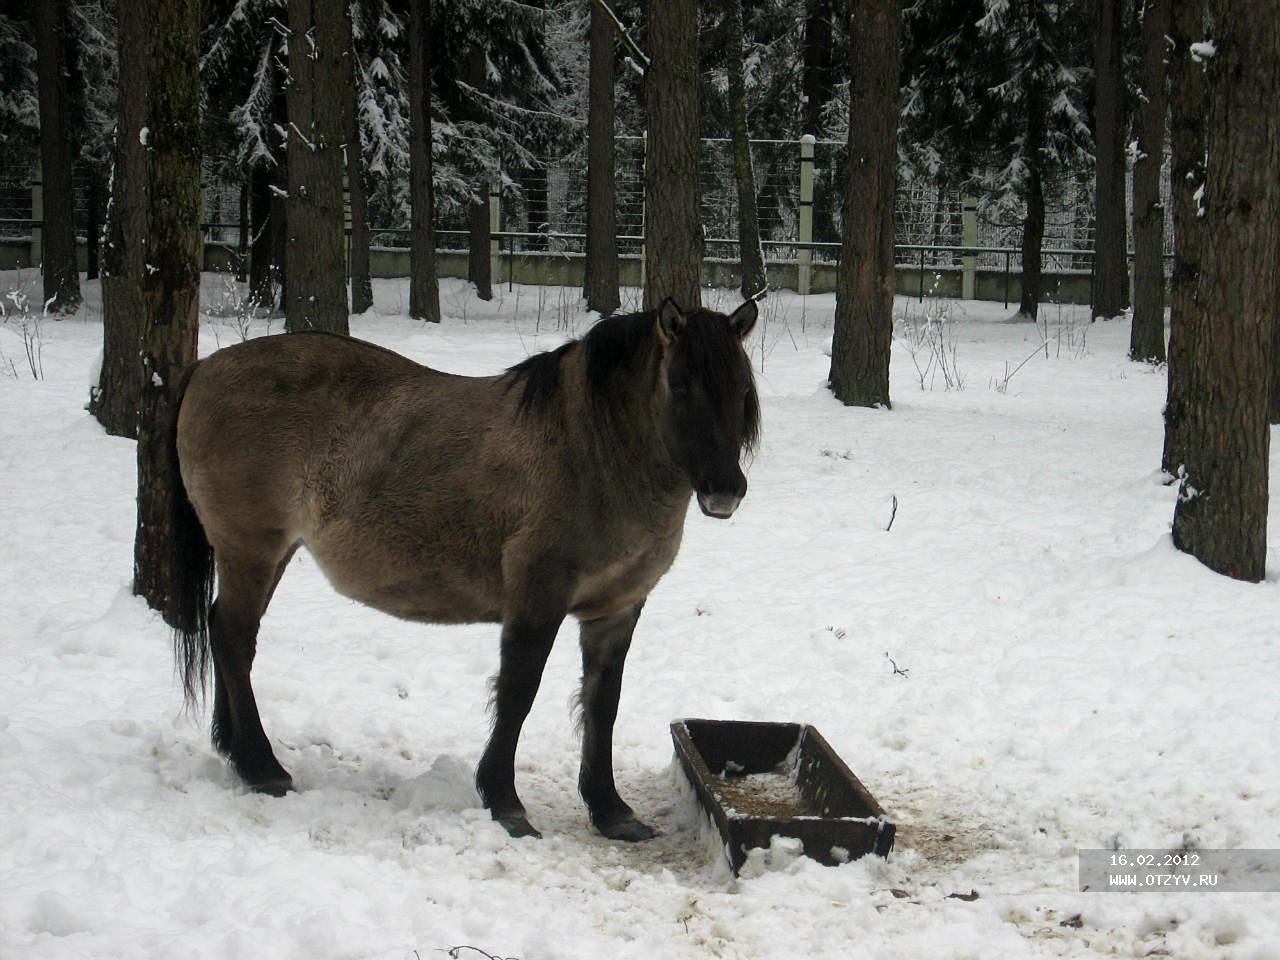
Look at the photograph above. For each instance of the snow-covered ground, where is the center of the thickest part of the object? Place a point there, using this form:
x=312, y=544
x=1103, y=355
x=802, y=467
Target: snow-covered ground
x=1067, y=679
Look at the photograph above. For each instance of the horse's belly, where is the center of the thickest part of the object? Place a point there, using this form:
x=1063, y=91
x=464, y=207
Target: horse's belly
x=408, y=587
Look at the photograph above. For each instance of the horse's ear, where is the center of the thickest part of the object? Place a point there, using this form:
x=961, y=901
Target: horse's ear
x=671, y=321
x=743, y=320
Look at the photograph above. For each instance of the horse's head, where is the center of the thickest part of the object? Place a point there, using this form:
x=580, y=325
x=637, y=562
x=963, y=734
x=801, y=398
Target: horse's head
x=712, y=412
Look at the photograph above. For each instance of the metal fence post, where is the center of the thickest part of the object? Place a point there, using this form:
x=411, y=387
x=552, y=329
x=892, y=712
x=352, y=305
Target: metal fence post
x=804, y=257
x=969, y=262
x=644, y=211
x=37, y=215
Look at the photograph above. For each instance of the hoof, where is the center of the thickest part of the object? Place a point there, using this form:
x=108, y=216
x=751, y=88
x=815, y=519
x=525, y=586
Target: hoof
x=276, y=787
x=518, y=826
x=627, y=829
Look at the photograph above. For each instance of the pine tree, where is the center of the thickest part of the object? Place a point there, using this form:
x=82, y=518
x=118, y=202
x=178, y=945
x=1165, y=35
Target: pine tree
x=601, y=278
x=60, y=268
x=319, y=74
x=673, y=225
x=1221, y=513
x=1146, y=335
x=1110, y=242
x=750, y=253
x=865, y=285
x=171, y=282
x=424, y=288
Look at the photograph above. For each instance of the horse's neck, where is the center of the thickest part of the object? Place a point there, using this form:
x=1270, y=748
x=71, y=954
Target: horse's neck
x=625, y=437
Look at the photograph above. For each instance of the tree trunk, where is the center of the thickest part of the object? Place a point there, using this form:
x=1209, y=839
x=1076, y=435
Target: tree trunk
x=600, y=284
x=479, y=262
x=816, y=78
x=357, y=191
x=672, y=196
x=1146, y=336
x=1032, y=243
x=171, y=283
x=1221, y=514
x=865, y=284
x=93, y=226
x=1109, y=240
x=1188, y=101
x=424, y=288
x=750, y=253
x=1033, y=225
x=58, y=236
x=319, y=77
x=117, y=397
x=262, y=264
x=242, y=233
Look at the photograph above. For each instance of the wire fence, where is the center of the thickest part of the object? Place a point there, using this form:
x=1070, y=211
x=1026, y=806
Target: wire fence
x=546, y=206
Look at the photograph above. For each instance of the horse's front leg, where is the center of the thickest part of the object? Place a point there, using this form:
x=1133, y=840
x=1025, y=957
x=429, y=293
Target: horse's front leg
x=605, y=644
x=526, y=642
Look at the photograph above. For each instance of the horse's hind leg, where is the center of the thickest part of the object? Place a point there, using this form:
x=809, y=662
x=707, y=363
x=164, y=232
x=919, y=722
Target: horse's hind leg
x=604, y=651
x=244, y=589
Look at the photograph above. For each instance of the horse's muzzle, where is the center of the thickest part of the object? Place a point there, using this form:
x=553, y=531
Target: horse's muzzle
x=719, y=505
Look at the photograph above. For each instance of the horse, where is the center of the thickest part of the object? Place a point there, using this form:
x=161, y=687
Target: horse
x=559, y=487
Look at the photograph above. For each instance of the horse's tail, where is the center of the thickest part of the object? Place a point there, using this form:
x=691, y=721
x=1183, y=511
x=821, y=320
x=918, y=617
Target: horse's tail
x=190, y=570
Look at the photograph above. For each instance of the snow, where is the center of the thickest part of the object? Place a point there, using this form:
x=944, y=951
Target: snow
x=1071, y=681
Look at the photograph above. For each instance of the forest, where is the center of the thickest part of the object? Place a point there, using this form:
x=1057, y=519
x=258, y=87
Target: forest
x=1005, y=277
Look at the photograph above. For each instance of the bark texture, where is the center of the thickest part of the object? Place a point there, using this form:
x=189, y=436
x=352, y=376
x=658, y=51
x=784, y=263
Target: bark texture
x=1221, y=514
x=357, y=198
x=117, y=396
x=1033, y=224
x=600, y=283
x=1188, y=101
x=865, y=285
x=672, y=196
x=58, y=239
x=750, y=253
x=1110, y=243
x=479, y=262
x=1146, y=335
x=424, y=287
x=319, y=75
x=171, y=282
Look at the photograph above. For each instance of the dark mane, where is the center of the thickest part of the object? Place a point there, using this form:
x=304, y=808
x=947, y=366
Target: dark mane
x=611, y=344
x=616, y=342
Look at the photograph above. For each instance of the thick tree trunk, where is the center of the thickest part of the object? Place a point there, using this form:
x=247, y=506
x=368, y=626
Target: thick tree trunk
x=424, y=287
x=58, y=237
x=116, y=398
x=1221, y=514
x=1146, y=336
x=1109, y=242
x=357, y=191
x=750, y=253
x=1188, y=100
x=319, y=78
x=600, y=283
x=865, y=284
x=479, y=262
x=171, y=283
x=673, y=222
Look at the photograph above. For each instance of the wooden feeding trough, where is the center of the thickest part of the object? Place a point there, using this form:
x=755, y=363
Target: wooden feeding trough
x=758, y=780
